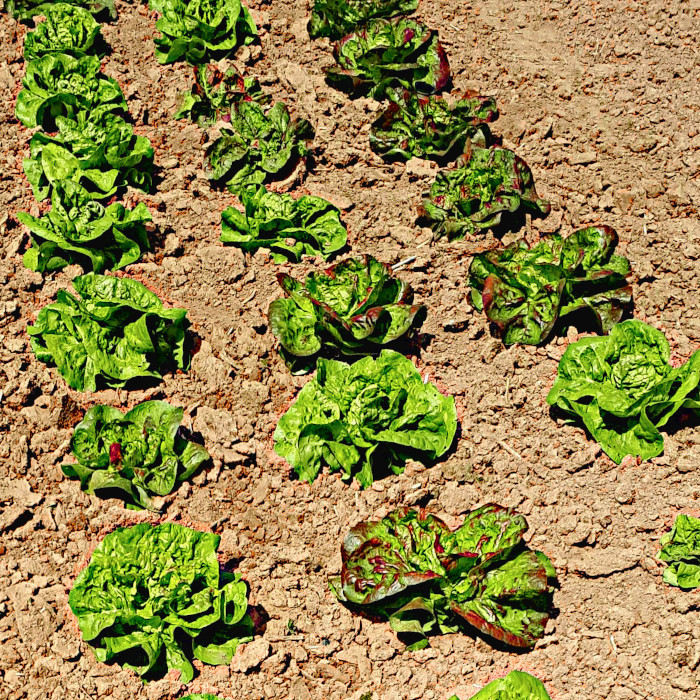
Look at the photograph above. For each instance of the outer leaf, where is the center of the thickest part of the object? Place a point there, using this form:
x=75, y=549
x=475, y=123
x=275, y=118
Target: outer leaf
x=289, y=227
x=140, y=454
x=335, y=18
x=259, y=146
x=681, y=549
x=357, y=418
x=216, y=94
x=410, y=568
x=198, y=30
x=79, y=230
x=517, y=685
x=354, y=307
x=398, y=53
x=486, y=184
x=623, y=388
x=118, y=331
x=430, y=127
x=68, y=29
x=101, y=152
x=527, y=292
x=60, y=85
x=151, y=595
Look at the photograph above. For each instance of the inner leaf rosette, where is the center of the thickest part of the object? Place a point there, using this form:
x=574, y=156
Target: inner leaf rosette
x=138, y=455
x=623, y=388
x=527, y=292
x=68, y=29
x=152, y=598
x=390, y=53
x=118, y=331
x=355, y=307
x=335, y=18
x=199, y=30
x=365, y=420
x=426, y=579
x=486, y=185
x=416, y=126
x=258, y=146
x=289, y=227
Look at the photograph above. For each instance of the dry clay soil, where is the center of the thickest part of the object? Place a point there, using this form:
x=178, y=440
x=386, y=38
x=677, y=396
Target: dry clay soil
x=602, y=100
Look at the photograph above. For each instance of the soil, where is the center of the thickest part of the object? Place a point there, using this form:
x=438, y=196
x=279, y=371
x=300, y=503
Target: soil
x=602, y=99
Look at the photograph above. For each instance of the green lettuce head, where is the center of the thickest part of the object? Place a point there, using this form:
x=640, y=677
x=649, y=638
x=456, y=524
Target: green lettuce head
x=335, y=18
x=153, y=598
x=365, y=419
x=623, y=389
x=680, y=548
x=517, y=685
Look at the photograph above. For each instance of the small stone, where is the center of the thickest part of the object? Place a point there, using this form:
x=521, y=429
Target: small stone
x=250, y=656
x=583, y=158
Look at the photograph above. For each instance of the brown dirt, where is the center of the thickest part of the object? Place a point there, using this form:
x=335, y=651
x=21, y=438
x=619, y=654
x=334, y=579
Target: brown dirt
x=602, y=99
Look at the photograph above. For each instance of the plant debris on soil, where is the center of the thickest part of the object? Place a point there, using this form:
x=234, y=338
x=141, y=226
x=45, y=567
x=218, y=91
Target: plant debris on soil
x=600, y=99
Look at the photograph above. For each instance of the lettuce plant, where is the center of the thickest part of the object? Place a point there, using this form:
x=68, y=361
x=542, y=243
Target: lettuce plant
x=101, y=152
x=526, y=292
x=258, y=146
x=486, y=184
x=27, y=9
x=80, y=230
x=138, y=455
x=430, y=127
x=355, y=307
x=680, y=548
x=289, y=227
x=197, y=30
x=390, y=53
x=116, y=332
x=61, y=85
x=215, y=94
x=365, y=420
x=68, y=29
x=411, y=569
x=517, y=685
x=336, y=18
x=154, y=597
x=623, y=389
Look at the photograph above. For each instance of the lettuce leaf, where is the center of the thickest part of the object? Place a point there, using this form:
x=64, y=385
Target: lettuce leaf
x=527, y=292
x=80, y=230
x=680, y=548
x=355, y=307
x=116, y=332
x=138, y=455
x=336, y=18
x=154, y=597
x=365, y=419
x=485, y=184
x=289, y=227
x=198, y=30
x=411, y=569
x=258, y=146
x=623, y=389
x=517, y=685
x=215, y=95
x=100, y=152
x=390, y=53
x=61, y=85
x=68, y=29
x=27, y=9
x=431, y=127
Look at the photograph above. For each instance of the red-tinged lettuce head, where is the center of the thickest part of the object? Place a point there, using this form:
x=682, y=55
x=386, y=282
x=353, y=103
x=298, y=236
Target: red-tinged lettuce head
x=390, y=54
x=335, y=18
